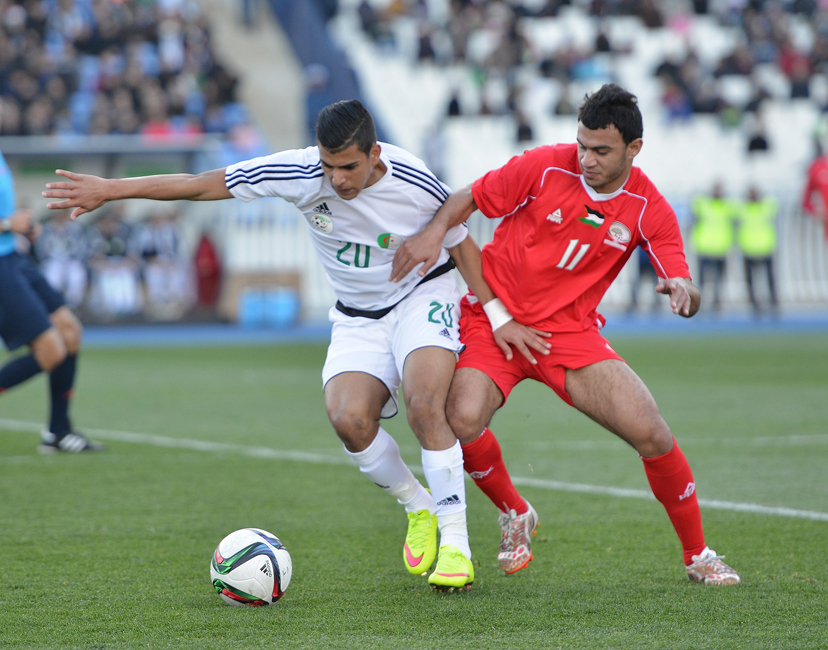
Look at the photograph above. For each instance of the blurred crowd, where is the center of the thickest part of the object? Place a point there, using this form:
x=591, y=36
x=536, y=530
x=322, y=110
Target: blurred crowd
x=489, y=37
x=112, y=67
x=111, y=268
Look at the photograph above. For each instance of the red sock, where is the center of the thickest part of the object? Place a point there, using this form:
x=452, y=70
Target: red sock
x=672, y=483
x=483, y=461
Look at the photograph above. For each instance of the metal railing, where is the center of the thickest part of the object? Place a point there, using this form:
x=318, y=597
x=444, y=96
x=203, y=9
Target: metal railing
x=270, y=236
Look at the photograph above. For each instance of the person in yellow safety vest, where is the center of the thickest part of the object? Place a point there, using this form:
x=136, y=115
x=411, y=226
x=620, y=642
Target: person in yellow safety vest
x=712, y=237
x=757, y=240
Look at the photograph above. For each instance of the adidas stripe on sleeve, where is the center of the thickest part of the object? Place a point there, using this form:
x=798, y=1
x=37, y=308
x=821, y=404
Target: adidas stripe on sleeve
x=292, y=175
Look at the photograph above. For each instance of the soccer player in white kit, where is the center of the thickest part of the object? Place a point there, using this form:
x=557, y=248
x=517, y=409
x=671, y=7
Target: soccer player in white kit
x=361, y=199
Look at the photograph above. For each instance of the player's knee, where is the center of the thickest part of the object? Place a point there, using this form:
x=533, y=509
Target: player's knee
x=72, y=338
x=465, y=421
x=654, y=438
x=356, y=430
x=49, y=350
x=425, y=412
x=69, y=328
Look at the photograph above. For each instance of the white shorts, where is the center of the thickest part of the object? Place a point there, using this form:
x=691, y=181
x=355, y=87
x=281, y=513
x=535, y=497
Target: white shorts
x=428, y=317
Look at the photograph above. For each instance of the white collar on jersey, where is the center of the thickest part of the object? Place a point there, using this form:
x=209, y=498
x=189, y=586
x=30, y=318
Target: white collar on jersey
x=596, y=196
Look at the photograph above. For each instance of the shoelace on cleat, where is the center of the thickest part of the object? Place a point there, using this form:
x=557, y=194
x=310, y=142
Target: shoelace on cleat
x=422, y=527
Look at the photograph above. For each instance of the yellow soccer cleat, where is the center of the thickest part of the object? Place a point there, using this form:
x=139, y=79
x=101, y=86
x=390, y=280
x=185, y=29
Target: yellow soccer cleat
x=420, y=547
x=454, y=571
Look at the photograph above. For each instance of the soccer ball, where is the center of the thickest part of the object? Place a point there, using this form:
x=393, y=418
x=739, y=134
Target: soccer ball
x=250, y=567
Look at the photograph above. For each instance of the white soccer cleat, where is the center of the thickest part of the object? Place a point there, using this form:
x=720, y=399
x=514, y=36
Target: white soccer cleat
x=709, y=569
x=516, y=539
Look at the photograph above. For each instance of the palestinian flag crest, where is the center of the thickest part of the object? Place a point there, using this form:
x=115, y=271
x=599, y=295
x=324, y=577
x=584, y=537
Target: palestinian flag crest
x=592, y=217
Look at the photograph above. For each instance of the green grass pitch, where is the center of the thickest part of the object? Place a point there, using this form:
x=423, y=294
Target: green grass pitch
x=112, y=550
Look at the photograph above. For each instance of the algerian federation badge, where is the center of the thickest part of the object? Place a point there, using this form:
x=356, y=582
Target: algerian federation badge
x=389, y=240
x=322, y=222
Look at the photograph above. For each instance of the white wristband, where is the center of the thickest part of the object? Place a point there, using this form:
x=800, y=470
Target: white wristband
x=497, y=313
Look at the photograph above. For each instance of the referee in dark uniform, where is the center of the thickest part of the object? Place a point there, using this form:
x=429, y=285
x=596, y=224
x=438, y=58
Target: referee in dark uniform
x=34, y=314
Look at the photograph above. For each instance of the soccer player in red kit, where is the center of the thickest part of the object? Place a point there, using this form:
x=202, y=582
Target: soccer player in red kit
x=817, y=184
x=572, y=216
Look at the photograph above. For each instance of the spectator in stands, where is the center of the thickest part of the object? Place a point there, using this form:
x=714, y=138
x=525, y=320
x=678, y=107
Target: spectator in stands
x=602, y=41
x=434, y=149
x=819, y=53
x=645, y=275
x=650, y=12
x=425, y=44
x=739, y=61
x=524, y=131
x=368, y=19
x=564, y=104
x=511, y=48
x=57, y=57
x=12, y=120
x=757, y=241
x=757, y=136
x=800, y=79
x=677, y=104
x=454, y=109
x=375, y=25
x=114, y=266
x=465, y=19
x=61, y=253
x=712, y=237
x=167, y=286
x=758, y=97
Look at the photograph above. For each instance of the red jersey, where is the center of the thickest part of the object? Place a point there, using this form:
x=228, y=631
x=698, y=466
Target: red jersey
x=817, y=182
x=561, y=244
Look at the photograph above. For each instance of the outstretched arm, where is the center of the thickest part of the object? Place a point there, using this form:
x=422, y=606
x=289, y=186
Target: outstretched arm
x=425, y=247
x=685, y=297
x=86, y=193
x=508, y=333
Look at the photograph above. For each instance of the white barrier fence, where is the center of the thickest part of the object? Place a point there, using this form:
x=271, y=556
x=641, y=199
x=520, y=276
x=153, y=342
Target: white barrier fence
x=268, y=237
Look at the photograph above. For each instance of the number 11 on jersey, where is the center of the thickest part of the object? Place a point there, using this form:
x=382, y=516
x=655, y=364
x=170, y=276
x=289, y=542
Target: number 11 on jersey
x=573, y=244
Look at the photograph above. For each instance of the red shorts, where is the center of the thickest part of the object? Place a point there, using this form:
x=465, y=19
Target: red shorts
x=569, y=350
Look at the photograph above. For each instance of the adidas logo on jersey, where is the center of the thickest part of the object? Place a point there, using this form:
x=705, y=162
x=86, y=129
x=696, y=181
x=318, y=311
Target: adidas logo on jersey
x=453, y=500
x=445, y=332
x=322, y=208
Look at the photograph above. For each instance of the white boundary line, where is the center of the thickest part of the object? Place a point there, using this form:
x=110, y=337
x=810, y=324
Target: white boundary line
x=323, y=459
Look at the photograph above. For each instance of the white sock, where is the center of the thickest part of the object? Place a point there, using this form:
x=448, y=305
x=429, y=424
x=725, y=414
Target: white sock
x=382, y=464
x=445, y=476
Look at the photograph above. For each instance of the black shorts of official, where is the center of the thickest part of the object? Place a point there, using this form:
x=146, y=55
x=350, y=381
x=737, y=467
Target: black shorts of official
x=26, y=300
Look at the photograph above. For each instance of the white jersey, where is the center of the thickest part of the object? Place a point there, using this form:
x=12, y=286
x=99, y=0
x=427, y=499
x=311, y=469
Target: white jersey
x=355, y=240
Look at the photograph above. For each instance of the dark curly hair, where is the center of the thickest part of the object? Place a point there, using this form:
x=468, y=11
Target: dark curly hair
x=612, y=105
